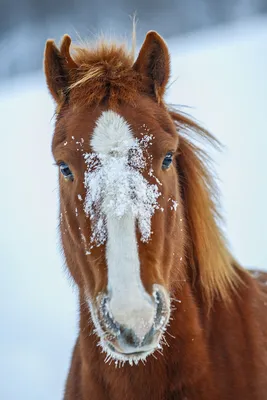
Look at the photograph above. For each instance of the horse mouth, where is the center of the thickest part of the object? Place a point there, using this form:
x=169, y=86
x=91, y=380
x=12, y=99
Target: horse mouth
x=133, y=357
x=133, y=354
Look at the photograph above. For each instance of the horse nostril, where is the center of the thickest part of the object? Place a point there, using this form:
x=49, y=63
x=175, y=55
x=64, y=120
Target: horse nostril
x=110, y=324
x=162, y=309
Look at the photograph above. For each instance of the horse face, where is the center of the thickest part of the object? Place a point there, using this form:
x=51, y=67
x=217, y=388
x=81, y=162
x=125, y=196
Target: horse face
x=120, y=205
x=120, y=214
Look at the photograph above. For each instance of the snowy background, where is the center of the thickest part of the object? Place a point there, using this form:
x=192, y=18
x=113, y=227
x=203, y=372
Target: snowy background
x=221, y=74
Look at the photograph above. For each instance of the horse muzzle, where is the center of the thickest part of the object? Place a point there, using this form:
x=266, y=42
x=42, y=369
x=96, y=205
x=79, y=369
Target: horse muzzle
x=132, y=333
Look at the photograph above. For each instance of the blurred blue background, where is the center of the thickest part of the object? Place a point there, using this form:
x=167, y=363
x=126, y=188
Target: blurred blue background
x=219, y=64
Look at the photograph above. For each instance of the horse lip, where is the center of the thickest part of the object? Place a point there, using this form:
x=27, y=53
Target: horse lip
x=136, y=353
x=131, y=353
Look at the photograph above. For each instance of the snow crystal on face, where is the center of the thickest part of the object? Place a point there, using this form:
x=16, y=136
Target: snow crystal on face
x=174, y=205
x=80, y=144
x=115, y=185
x=145, y=143
x=116, y=188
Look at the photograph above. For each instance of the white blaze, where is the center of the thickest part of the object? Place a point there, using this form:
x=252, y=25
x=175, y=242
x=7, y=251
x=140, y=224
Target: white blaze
x=130, y=305
x=118, y=198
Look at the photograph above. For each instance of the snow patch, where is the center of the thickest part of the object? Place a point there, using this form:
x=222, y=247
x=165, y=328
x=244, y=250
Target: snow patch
x=114, y=182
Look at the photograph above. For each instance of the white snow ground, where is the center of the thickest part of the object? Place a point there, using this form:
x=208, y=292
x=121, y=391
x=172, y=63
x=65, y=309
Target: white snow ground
x=222, y=74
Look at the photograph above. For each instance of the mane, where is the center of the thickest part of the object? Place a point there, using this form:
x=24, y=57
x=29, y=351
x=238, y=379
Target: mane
x=108, y=67
x=207, y=252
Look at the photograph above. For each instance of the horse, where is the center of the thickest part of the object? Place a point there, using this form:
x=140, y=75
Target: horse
x=165, y=310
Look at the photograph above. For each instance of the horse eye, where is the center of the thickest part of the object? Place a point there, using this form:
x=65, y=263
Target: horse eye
x=66, y=172
x=167, y=161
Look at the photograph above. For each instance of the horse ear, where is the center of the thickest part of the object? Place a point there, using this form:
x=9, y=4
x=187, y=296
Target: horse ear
x=57, y=66
x=153, y=62
x=65, y=52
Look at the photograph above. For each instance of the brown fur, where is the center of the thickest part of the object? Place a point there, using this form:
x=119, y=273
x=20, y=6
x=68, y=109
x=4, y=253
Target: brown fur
x=217, y=338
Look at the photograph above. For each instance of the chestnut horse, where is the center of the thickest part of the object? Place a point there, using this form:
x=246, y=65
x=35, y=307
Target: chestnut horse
x=165, y=310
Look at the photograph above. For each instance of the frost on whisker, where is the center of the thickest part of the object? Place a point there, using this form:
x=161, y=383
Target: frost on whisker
x=115, y=187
